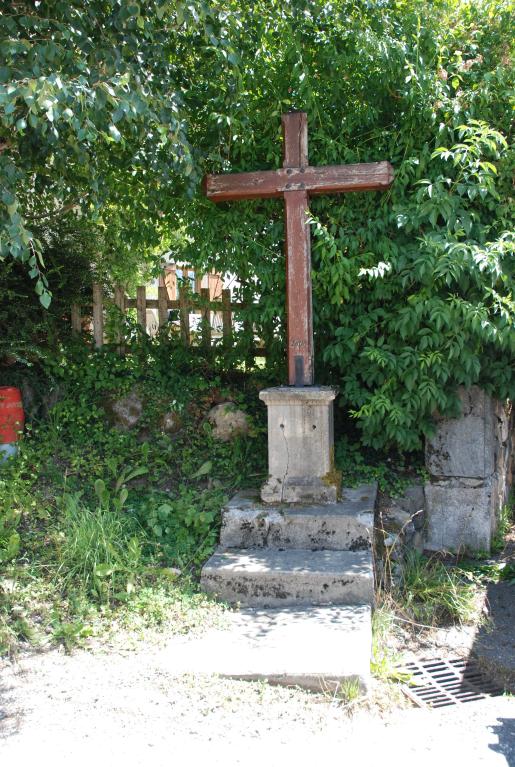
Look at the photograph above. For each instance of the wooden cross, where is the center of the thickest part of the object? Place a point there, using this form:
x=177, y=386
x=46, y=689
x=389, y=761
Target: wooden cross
x=295, y=181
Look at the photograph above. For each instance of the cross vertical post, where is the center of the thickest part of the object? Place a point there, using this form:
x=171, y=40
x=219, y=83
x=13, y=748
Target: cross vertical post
x=296, y=182
x=300, y=416
x=299, y=310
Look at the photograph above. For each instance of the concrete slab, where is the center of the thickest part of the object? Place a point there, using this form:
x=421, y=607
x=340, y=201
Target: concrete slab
x=247, y=522
x=279, y=578
x=317, y=648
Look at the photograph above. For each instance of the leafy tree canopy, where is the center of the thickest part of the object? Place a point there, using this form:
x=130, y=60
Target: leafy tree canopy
x=115, y=110
x=92, y=123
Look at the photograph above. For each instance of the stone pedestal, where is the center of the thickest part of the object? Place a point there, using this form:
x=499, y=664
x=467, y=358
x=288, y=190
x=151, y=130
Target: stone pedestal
x=300, y=445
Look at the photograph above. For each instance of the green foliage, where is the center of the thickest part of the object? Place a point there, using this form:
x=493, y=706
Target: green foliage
x=432, y=593
x=392, y=473
x=98, y=548
x=94, y=519
x=384, y=663
x=91, y=122
x=109, y=116
x=28, y=331
x=14, y=626
x=69, y=633
x=14, y=497
x=490, y=572
x=413, y=289
x=504, y=525
x=450, y=312
x=186, y=527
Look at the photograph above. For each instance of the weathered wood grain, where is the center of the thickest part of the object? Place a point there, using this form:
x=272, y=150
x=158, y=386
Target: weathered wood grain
x=328, y=179
x=141, y=306
x=295, y=139
x=296, y=181
x=205, y=322
x=184, y=316
x=298, y=290
x=76, y=318
x=162, y=306
x=226, y=317
x=98, y=316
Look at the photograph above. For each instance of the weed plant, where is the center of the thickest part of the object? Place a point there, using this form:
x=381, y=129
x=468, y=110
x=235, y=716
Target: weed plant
x=506, y=518
x=433, y=593
x=99, y=549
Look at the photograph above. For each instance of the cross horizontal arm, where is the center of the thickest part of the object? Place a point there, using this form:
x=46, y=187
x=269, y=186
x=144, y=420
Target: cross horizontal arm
x=362, y=177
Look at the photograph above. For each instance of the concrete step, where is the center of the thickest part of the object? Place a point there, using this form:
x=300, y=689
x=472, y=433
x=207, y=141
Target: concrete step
x=278, y=578
x=247, y=522
x=318, y=648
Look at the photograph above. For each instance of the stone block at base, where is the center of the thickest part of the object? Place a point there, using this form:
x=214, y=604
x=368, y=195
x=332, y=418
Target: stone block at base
x=470, y=460
x=300, y=445
x=317, y=648
x=459, y=516
x=299, y=490
x=282, y=578
x=249, y=523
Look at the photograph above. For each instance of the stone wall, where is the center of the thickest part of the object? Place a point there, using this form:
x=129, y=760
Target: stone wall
x=469, y=460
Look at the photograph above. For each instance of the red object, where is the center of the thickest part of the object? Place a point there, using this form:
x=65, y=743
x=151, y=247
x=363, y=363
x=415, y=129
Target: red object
x=12, y=417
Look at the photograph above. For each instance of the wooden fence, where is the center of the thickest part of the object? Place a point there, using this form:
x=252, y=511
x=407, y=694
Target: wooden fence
x=187, y=303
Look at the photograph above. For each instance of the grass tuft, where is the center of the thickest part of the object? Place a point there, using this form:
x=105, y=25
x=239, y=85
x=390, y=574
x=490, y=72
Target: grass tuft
x=506, y=518
x=99, y=551
x=435, y=594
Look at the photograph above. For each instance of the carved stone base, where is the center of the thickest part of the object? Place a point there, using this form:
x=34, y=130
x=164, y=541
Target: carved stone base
x=300, y=445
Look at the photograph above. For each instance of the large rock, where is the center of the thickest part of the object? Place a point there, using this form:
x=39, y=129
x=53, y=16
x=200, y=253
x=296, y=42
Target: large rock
x=126, y=412
x=227, y=421
x=171, y=422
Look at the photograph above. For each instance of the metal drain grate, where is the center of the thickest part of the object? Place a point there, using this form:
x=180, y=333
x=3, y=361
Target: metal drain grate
x=437, y=683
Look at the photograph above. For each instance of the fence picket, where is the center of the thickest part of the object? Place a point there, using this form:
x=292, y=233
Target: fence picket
x=98, y=316
x=141, y=306
x=226, y=317
x=184, y=316
x=119, y=301
x=162, y=305
x=205, y=322
x=75, y=318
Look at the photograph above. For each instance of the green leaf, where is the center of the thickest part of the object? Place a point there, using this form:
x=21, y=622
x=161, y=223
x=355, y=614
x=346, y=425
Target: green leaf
x=45, y=299
x=115, y=133
x=206, y=468
x=100, y=488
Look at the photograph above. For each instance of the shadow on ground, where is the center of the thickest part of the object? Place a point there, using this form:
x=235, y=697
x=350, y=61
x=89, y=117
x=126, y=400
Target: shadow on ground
x=494, y=644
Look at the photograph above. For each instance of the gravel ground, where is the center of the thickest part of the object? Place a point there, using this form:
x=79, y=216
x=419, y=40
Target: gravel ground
x=115, y=708
x=110, y=706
